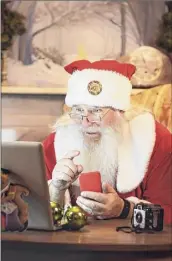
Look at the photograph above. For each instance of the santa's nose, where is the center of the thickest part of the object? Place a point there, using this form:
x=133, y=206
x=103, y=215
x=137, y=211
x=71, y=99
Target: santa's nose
x=86, y=123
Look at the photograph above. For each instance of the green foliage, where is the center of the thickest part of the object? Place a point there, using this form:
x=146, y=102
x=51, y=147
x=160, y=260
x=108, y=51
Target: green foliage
x=164, y=39
x=12, y=24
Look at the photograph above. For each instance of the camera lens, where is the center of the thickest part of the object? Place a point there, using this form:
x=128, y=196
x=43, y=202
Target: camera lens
x=139, y=217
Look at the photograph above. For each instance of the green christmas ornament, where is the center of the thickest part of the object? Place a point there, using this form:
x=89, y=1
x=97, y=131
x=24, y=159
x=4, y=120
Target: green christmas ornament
x=74, y=218
x=57, y=212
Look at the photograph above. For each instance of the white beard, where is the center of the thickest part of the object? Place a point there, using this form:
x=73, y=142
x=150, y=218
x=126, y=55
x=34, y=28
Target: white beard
x=94, y=155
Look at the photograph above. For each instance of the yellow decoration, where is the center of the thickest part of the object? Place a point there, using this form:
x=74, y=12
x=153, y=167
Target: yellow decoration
x=81, y=53
x=158, y=100
x=53, y=204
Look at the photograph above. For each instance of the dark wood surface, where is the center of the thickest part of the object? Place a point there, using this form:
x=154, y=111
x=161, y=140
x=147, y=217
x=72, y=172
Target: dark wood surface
x=98, y=235
x=96, y=240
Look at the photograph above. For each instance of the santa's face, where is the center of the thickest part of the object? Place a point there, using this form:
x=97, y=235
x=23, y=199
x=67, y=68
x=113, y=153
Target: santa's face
x=92, y=120
x=94, y=136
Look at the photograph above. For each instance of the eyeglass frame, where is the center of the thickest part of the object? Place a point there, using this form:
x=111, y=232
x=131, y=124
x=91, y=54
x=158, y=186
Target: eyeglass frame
x=86, y=116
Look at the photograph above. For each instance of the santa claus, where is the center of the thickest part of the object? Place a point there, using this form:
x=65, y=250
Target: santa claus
x=103, y=133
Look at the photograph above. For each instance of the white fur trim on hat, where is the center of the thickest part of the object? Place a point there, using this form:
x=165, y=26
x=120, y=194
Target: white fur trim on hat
x=116, y=89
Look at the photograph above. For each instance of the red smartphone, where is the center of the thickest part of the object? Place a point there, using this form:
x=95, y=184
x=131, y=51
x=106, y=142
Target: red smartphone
x=90, y=181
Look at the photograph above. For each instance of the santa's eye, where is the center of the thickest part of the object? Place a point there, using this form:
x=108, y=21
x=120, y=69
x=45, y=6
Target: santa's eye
x=79, y=110
x=97, y=110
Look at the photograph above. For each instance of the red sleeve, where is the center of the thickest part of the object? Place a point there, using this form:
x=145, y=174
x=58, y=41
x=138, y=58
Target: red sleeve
x=49, y=155
x=158, y=181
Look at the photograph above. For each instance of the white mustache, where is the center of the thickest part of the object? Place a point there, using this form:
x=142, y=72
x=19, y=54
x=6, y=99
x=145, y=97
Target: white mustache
x=92, y=129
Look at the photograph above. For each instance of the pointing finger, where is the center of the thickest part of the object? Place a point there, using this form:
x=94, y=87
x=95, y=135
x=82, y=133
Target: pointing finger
x=72, y=154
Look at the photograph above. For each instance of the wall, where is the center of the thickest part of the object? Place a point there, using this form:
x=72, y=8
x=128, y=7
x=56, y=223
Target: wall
x=29, y=117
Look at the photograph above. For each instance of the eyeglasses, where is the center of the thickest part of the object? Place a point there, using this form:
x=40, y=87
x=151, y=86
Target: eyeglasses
x=95, y=114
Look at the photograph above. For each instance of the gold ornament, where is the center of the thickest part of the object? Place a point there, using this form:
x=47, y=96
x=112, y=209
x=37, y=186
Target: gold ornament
x=94, y=87
x=74, y=218
x=57, y=212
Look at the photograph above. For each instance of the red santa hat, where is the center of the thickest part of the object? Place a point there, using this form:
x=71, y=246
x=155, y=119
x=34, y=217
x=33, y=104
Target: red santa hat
x=104, y=83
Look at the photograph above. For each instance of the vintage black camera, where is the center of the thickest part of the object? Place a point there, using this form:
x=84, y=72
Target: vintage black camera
x=148, y=217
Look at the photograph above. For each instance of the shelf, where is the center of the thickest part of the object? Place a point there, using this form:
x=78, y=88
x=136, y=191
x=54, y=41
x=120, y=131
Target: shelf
x=33, y=90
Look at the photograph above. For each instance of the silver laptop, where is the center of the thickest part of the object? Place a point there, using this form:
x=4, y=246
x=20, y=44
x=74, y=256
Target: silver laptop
x=26, y=161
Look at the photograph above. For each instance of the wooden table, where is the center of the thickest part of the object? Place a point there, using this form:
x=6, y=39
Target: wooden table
x=97, y=241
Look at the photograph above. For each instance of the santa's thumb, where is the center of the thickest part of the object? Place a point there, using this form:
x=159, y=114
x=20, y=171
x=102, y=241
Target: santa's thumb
x=108, y=188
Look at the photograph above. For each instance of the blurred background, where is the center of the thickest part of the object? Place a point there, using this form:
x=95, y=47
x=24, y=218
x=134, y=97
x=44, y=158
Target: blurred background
x=39, y=37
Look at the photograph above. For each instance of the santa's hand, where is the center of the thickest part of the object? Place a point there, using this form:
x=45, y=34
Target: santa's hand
x=105, y=205
x=65, y=171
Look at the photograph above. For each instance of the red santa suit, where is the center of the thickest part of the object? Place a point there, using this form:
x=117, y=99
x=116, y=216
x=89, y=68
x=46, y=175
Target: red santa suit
x=144, y=157
x=156, y=184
